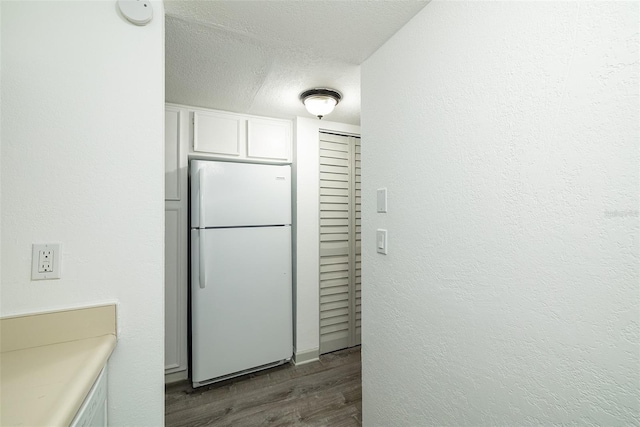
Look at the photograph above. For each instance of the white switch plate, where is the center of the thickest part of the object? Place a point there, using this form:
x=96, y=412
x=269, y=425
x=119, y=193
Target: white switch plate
x=382, y=200
x=45, y=261
x=381, y=241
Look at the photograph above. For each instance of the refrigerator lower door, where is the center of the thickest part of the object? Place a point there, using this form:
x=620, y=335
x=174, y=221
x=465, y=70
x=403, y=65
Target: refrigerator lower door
x=242, y=312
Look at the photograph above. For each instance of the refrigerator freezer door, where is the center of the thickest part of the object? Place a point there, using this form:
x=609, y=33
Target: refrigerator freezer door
x=226, y=194
x=242, y=317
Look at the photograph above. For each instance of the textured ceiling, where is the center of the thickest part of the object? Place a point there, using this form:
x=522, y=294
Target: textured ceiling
x=256, y=57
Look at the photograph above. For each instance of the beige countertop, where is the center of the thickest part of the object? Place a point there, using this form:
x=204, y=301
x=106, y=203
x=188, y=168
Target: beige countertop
x=49, y=363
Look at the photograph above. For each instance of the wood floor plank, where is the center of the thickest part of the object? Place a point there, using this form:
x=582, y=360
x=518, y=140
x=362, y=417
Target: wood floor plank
x=325, y=382
x=327, y=392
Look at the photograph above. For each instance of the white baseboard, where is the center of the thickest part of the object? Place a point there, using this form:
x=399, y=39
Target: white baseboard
x=307, y=356
x=176, y=376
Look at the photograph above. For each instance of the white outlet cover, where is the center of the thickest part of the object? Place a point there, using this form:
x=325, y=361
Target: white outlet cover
x=56, y=261
x=138, y=12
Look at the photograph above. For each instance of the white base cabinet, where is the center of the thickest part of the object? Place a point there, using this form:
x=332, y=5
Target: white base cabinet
x=93, y=412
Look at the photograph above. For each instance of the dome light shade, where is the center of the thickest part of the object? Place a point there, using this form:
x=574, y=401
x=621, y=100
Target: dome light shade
x=320, y=101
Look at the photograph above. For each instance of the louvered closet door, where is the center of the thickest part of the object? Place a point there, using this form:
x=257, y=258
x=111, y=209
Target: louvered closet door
x=358, y=248
x=339, y=242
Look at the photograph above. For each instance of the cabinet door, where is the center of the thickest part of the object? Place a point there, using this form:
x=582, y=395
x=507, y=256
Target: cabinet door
x=217, y=133
x=93, y=411
x=175, y=291
x=269, y=139
x=172, y=154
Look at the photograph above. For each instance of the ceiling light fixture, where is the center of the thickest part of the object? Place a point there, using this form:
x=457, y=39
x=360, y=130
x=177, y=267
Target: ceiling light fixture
x=320, y=101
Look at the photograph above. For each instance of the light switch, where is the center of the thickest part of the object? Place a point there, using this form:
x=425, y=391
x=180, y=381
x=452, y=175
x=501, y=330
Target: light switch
x=381, y=241
x=382, y=200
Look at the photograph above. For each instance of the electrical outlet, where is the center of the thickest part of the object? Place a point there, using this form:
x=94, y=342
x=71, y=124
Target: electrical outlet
x=45, y=261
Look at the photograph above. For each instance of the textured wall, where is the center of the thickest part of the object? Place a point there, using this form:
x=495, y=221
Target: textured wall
x=507, y=135
x=83, y=164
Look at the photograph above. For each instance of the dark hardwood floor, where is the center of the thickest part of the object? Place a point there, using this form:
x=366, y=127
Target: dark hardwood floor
x=324, y=393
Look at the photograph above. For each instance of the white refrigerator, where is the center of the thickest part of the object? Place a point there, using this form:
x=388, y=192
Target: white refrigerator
x=241, y=294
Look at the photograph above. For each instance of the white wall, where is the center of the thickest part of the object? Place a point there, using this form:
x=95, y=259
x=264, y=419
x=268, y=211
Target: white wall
x=306, y=171
x=507, y=135
x=0, y=159
x=83, y=165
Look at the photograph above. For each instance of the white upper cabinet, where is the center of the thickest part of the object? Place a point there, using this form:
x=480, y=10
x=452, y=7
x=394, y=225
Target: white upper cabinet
x=217, y=133
x=223, y=135
x=269, y=139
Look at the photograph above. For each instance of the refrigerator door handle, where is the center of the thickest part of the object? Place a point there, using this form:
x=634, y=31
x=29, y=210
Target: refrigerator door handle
x=201, y=231
x=201, y=179
x=201, y=262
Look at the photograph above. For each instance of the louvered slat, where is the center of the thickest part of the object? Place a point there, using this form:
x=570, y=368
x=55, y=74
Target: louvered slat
x=333, y=154
x=335, y=319
x=334, y=290
x=333, y=305
x=334, y=214
x=331, y=275
x=329, y=260
x=329, y=283
x=327, y=314
x=327, y=268
x=334, y=199
x=325, y=191
x=334, y=222
x=332, y=183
